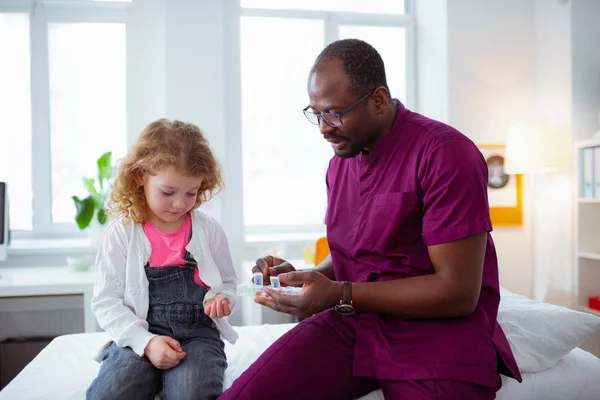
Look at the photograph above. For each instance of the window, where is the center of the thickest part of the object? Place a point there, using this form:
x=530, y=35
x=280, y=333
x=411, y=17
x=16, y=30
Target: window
x=357, y=6
x=284, y=157
x=87, y=105
x=390, y=42
x=15, y=116
x=276, y=138
x=62, y=104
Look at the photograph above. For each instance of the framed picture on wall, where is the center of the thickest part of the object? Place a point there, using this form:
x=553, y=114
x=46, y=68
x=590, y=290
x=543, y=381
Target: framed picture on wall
x=505, y=192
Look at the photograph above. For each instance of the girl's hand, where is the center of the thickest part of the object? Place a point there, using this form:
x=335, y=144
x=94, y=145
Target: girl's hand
x=217, y=307
x=164, y=352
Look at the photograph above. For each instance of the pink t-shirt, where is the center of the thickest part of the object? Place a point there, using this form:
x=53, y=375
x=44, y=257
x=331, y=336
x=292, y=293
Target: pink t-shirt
x=168, y=249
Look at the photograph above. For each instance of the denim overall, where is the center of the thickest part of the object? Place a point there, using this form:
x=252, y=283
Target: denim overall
x=176, y=311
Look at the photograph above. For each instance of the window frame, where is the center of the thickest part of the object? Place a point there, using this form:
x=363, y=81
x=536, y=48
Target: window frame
x=332, y=21
x=41, y=14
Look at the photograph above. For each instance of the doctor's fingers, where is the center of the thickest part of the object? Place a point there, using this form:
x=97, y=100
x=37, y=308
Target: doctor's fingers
x=288, y=300
x=283, y=268
x=274, y=305
x=269, y=261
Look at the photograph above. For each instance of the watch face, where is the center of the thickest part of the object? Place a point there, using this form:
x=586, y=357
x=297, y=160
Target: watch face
x=344, y=309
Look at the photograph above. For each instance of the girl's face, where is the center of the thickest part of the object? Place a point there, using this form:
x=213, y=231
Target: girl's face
x=170, y=196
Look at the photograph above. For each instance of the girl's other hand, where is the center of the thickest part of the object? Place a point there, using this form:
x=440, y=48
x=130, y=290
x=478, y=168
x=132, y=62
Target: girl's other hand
x=217, y=307
x=164, y=352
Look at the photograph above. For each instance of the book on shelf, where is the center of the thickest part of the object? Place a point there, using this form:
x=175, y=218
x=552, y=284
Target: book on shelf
x=596, y=175
x=588, y=170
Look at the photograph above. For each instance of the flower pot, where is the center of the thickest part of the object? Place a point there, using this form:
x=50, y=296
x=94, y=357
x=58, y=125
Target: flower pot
x=80, y=263
x=94, y=232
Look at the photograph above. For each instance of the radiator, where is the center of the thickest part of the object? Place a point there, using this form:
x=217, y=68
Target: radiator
x=28, y=324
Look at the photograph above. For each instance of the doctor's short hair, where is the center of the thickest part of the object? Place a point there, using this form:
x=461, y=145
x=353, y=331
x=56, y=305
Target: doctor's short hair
x=362, y=64
x=164, y=144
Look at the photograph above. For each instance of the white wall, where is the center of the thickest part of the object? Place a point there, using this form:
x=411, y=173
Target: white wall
x=432, y=59
x=568, y=88
x=585, y=78
x=491, y=85
x=552, y=237
x=508, y=61
x=195, y=59
x=146, y=65
x=176, y=66
x=585, y=31
x=491, y=69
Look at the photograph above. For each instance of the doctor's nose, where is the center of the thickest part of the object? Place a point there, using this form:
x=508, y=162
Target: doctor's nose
x=324, y=128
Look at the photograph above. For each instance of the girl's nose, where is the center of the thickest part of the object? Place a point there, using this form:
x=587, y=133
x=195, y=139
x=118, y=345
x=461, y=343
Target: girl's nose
x=178, y=204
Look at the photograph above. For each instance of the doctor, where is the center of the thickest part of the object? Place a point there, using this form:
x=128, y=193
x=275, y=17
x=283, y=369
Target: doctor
x=407, y=301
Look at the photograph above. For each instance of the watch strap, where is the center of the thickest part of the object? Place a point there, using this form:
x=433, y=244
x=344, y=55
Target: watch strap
x=346, y=293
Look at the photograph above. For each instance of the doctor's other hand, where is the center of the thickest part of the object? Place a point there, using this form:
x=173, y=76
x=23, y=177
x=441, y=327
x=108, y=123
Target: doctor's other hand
x=318, y=293
x=272, y=266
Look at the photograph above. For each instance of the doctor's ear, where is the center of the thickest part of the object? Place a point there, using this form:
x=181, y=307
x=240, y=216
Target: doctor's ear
x=380, y=99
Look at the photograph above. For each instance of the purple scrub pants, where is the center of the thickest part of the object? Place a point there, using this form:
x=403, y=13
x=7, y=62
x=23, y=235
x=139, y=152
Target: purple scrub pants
x=314, y=361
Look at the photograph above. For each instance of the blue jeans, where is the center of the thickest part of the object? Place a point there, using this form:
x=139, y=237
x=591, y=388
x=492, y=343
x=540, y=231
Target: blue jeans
x=175, y=310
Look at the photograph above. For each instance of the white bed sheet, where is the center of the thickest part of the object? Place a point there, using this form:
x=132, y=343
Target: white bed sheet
x=64, y=369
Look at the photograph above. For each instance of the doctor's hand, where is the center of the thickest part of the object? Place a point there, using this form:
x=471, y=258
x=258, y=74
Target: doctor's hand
x=318, y=293
x=272, y=266
x=164, y=352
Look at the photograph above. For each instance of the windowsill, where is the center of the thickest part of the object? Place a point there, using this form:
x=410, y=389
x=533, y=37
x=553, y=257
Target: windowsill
x=61, y=245
x=289, y=245
x=292, y=237
x=53, y=250
x=50, y=246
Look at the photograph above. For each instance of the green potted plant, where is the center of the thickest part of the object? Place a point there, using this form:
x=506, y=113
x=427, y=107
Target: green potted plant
x=91, y=210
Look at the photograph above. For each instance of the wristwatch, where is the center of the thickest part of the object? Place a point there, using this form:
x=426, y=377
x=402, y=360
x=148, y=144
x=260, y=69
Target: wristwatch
x=345, y=306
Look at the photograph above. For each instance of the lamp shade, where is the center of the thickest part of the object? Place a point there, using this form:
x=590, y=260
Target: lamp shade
x=530, y=149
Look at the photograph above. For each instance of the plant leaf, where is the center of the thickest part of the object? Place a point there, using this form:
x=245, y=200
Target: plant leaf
x=101, y=216
x=85, y=211
x=104, y=168
x=89, y=185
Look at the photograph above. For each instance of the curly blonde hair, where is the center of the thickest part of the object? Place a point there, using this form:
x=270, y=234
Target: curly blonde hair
x=163, y=144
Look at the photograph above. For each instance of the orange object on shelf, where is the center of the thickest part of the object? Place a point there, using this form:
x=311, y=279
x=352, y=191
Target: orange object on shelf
x=321, y=250
x=316, y=253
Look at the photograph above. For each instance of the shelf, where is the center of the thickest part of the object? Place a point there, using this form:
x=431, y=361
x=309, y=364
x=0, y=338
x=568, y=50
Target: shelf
x=588, y=310
x=587, y=143
x=589, y=255
x=585, y=200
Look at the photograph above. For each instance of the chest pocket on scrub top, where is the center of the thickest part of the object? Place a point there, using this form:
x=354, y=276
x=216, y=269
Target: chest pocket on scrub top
x=167, y=289
x=390, y=222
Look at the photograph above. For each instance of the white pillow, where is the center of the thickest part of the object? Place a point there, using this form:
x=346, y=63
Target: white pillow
x=540, y=334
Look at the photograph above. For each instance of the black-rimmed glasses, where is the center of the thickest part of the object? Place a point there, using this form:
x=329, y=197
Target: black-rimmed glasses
x=334, y=120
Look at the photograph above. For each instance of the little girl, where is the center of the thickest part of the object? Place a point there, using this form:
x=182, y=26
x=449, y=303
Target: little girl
x=164, y=274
